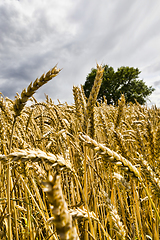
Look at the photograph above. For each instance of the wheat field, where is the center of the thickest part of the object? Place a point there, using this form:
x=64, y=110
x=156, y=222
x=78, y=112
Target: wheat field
x=82, y=171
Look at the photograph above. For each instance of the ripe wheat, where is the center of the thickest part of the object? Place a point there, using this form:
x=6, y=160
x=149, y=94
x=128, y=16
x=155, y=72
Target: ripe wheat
x=81, y=171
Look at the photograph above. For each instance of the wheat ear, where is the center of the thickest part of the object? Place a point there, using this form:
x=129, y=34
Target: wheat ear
x=61, y=216
x=93, y=97
x=36, y=155
x=20, y=102
x=95, y=89
x=77, y=102
x=157, y=140
x=4, y=108
x=112, y=156
x=121, y=104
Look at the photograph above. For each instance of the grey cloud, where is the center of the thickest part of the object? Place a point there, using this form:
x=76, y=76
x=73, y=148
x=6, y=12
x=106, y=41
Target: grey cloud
x=111, y=28
x=22, y=29
x=156, y=83
x=114, y=33
x=27, y=50
x=10, y=88
x=153, y=68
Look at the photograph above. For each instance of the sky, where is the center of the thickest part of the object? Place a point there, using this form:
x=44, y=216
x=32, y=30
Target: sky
x=35, y=35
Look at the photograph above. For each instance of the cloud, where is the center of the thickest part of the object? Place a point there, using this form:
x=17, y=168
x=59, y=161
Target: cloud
x=157, y=83
x=153, y=67
x=30, y=43
x=38, y=34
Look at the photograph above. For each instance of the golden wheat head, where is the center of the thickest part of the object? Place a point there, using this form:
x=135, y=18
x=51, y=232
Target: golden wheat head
x=20, y=102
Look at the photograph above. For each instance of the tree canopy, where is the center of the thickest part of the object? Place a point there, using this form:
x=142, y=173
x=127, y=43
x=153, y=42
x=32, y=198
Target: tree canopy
x=115, y=83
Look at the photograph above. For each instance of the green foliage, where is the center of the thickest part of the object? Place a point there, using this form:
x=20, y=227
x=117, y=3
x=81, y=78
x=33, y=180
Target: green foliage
x=114, y=84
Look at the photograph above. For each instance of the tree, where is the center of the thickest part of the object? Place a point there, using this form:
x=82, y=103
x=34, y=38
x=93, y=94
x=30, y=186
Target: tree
x=114, y=84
